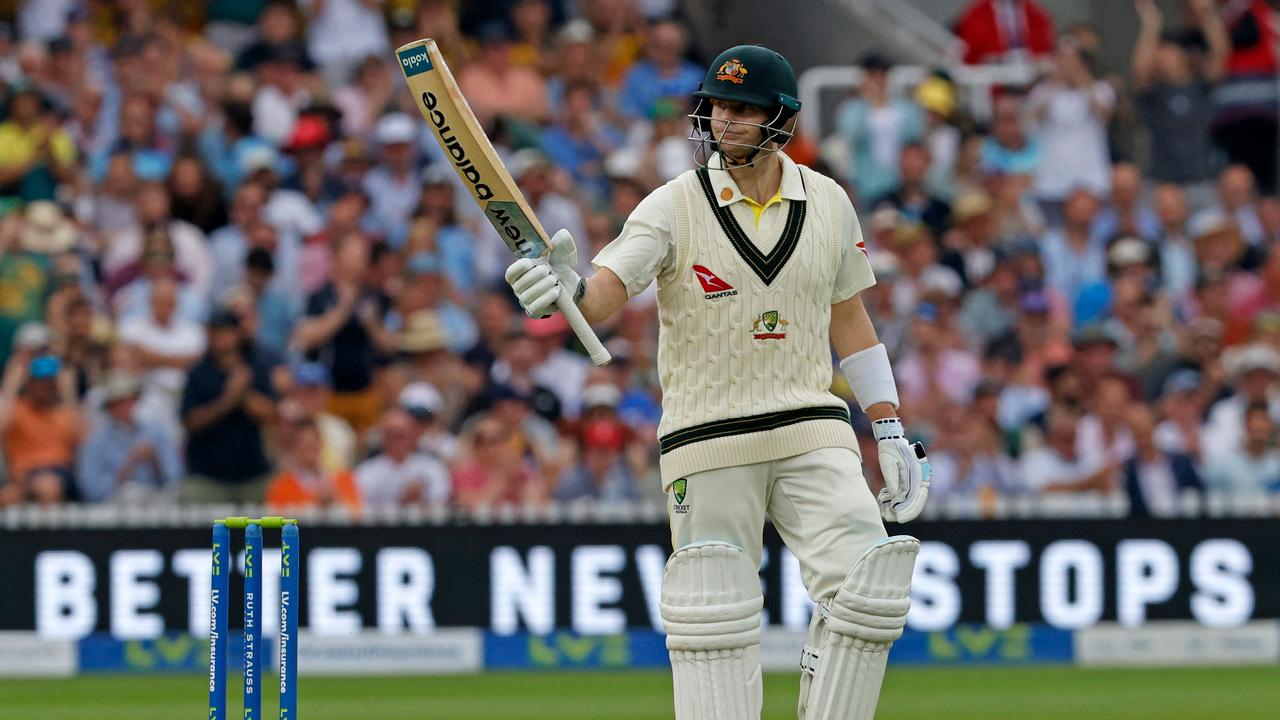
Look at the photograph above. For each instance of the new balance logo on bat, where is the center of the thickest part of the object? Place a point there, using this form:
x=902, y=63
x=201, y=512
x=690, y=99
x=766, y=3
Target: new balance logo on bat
x=712, y=285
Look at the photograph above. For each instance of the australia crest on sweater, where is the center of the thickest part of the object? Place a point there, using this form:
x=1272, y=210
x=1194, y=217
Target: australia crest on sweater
x=769, y=326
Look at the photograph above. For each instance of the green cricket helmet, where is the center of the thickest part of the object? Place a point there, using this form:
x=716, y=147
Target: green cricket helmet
x=753, y=75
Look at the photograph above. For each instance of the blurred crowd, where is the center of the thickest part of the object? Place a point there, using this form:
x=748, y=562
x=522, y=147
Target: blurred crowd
x=236, y=267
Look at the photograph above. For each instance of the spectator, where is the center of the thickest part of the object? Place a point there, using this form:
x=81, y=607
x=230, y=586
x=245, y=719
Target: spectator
x=1057, y=466
x=1245, y=121
x=577, y=60
x=937, y=97
x=393, y=185
x=128, y=254
x=912, y=197
x=1155, y=479
x=342, y=32
x=1128, y=213
x=1072, y=256
x=1252, y=467
x=41, y=426
x=996, y=31
x=282, y=93
x=876, y=126
x=968, y=460
x=454, y=243
x=1174, y=96
x=305, y=482
x=933, y=372
x=80, y=340
x=124, y=459
x=426, y=405
x=531, y=20
x=1009, y=150
x=25, y=270
x=603, y=473
x=1071, y=111
x=229, y=243
x=277, y=26
x=310, y=390
x=344, y=330
x=543, y=186
x=496, y=471
x=35, y=154
x=149, y=149
x=166, y=346
x=1238, y=200
x=195, y=197
x=363, y=99
x=1103, y=437
x=276, y=311
x=1182, y=407
x=581, y=139
x=663, y=73
x=494, y=86
x=226, y=404
x=400, y=475
x=1176, y=253
x=1253, y=370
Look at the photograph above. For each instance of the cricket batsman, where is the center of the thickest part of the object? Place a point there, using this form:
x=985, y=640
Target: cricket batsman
x=759, y=263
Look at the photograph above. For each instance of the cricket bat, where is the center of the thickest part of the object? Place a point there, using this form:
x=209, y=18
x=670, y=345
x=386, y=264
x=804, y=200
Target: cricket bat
x=442, y=105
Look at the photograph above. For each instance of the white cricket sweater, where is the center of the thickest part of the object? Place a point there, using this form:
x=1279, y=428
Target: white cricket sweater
x=744, y=353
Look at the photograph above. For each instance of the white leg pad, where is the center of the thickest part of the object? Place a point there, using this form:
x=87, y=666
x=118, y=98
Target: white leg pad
x=711, y=603
x=842, y=675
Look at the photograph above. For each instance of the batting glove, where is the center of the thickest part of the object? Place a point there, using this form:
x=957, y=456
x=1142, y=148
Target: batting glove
x=537, y=282
x=905, y=469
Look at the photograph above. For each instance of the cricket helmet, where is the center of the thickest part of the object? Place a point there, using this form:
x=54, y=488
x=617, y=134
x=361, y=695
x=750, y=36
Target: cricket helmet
x=753, y=75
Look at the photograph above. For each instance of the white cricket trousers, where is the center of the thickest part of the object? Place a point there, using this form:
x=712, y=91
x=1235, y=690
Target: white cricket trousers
x=819, y=502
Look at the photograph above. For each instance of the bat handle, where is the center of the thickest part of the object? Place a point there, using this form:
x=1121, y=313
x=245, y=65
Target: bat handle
x=582, y=328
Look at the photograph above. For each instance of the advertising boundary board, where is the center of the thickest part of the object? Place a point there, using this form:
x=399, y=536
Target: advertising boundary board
x=599, y=580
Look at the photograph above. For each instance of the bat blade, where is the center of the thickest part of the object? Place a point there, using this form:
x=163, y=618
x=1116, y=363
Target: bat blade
x=473, y=157
x=468, y=149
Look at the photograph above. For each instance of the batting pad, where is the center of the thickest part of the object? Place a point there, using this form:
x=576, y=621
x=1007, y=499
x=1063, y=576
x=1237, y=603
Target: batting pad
x=858, y=625
x=711, y=603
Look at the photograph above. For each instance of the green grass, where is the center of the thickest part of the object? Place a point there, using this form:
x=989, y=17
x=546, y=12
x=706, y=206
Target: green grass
x=971, y=693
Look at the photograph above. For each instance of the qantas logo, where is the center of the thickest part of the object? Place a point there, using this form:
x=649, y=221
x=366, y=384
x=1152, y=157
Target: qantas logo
x=713, y=286
x=863, y=247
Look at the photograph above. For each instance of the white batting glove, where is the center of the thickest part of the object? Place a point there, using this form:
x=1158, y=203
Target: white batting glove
x=905, y=469
x=537, y=283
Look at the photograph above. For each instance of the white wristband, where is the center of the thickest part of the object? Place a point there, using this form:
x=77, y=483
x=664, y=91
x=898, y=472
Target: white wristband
x=871, y=377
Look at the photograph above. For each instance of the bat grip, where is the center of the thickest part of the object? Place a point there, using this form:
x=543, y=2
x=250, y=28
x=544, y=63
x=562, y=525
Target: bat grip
x=582, y=328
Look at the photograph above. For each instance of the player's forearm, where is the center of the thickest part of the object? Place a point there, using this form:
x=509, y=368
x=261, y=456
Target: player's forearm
x=851, y=328
x=605, y=295
x=863, y=359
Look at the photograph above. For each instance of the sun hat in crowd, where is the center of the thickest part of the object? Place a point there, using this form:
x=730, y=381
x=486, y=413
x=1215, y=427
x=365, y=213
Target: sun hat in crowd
x=32, y=335
x=1250, y=358
x=119, y=385
x=601, y=395
x=46, y=229
x=423, y=332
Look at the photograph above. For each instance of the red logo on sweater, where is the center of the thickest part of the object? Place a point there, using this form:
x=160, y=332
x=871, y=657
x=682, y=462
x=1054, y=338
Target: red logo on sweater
x=712, y=285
